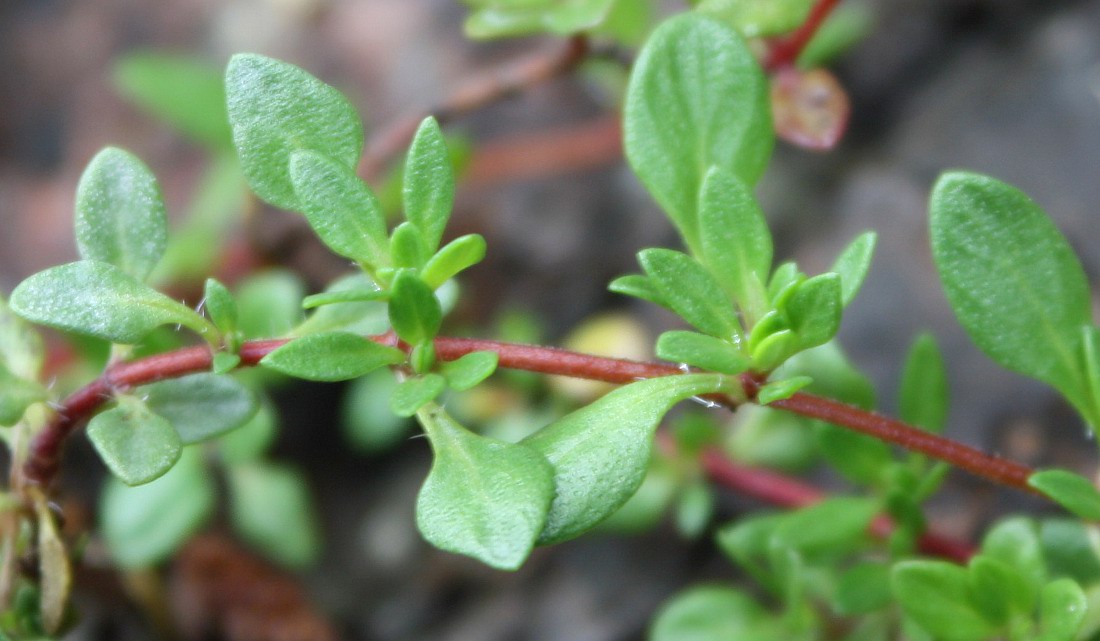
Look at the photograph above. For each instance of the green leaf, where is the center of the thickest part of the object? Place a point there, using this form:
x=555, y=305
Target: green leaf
x=251, y=440
x=271, y=508
x=269, y=303
x=845, y=28
x=779, y=390
x=201, y=406
x=1012, y=279
x=429, y=188
x=1015, y=541
x=483, y=498
x=860, y=458
x=637, y=286
x=408, y=247
x=690, y=291
x=339, y=207
x=469, y=370
x=774, y=439
x=600, y=452
x=936, y=595
x=137, y=445
x=21, y=349
x=120, y=215
x=182, y=91
x=220, y=306
x=1072, y=491
x=276, y=109
x=369, y=423
x=830, y=527
x=363, y=317
x=694, y=509
x=499, y=18
x=814, y=310
x=331, y=356
x=344, y=296
x=1000, y=591
x=736, y=242
x=16, y=395
x=774, y=349
x=99, y=300
x=924, y=392
x=457, y=255
x=697, y=99
x=144, y=525
x=700, y=350
x=412, y=394
x=863, y=588
x=713, y=613
x=415, y=312
x=852, y=265
x=1063, y=608
x=1071, y=548
x=758, y=18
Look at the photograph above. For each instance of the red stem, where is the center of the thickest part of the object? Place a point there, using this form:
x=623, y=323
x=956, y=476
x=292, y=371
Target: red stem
x=785, y=52
x=45, y=450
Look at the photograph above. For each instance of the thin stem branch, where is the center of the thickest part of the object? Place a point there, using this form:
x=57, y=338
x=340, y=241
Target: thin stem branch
x=45, y=450
x=785, y=52
x=476, y=93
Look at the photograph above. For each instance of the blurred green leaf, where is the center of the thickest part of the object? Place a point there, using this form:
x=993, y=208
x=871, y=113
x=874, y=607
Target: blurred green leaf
x=429, y=183
x=600, y=452
x=924, y=392
x=860, y=458
x=936, y=594
x=144, y=525
x=21, y=349
x=863, y=588
x=276, y=109
x=340, y=207
x=501, y=18
x=1063, y=607
x=1015, y=541
x=483, y=498
x=271, y=508
x=137, y=445
x=1071, y=548
x=16, y=395
x=1000, y=591
x=269, y=303
x=220, y=307
x=773, y=439
x=331, y=356
x=637, y=286
x=182, y=91
x=758, y=18
x=469, y=370
x=201, y=406
x=1013, y=281
x=365, y=317
x=830, y=527
x=412, y=394
x=1072, y=491
x=694, y=509
x=120, y=216
x=852, y=265
x=251, y=440
x=697, y=99
x=713, y=613
x=369, y=423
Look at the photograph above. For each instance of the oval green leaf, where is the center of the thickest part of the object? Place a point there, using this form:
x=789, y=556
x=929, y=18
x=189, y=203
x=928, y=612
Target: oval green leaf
x=455, y=256
x=936, y=595
x=415, y=312
x=412, y=394
x=853, y=263
x=1072, y=491
x=736, y=242
x=429, y=183
x=483, y=498
x=120, y=216
x=331, y=356
x=924, y=393
x=137, y=445
x=201, y=406
x=270, y=506
x=466, y=372
x=702, y=351
x=690, y=291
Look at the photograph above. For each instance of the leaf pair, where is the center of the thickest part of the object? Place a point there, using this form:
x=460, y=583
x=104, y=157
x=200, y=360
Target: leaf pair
x=495, y=501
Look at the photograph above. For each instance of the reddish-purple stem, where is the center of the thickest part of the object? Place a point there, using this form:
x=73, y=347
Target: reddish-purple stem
x=785, y=52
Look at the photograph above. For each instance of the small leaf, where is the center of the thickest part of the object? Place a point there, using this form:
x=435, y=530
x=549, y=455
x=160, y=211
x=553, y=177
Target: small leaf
x=713, y=613
x=269, y=303
x=331, y=356
x=1071, y=548
x=412, y=394
x=814, y=310
x=637, y=286
x=220, y=306
x=251, y=440
x=339, y=207
x=271, y=508
x=16, y=395
x=415, y=312
x=853, y=263
x=690, y=291
x=1015, y=541
x=736, y=242
x=120, y=215
x=697, y=99
x=276, y=109
x=770, y=352
x=21, y=349
x=830, y=527
x=408, y=247
x=54, y=566
x=499, y=19
x=810, y=108
x=201, y=406
x=1072, y=491
x=100, y=300
x=344, y=296
x=863, y=588
x=183, y=92
x=369, y=423
x=1012, y=279
x=362, y=317
x=600, y=452
x=1000, y=591
x=860, y=458
x=923, y=397
x=1063, y=608
x=758, y=18
x=469, y=370
x=936, y=595
x=136, y=444
x=483, y=498
x=781, y=389
x=429, y=187
x=145, y=525
x=694, y=509
x=700, y=350
x=455, y=256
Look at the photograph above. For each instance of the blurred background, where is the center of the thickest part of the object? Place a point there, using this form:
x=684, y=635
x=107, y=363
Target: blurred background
x=1005, y=87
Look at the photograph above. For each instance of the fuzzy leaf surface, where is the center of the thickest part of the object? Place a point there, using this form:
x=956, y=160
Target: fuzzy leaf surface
x=201, y=406
x=331, y=356
x=137, y=445
x=276, y=109
x=483, y=498
x=690, y=291
x=697, y=99
x=736, y=242
x=600, y=452
x=429, y=184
